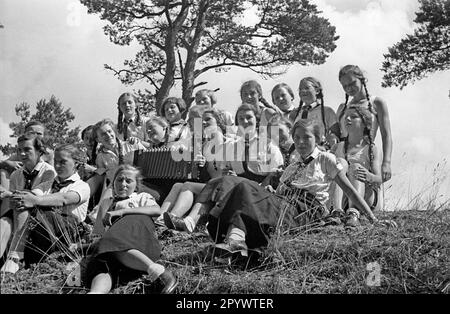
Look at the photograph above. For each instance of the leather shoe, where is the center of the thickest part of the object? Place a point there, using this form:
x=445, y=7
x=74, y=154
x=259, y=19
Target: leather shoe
x=173, y=222
x=169, y=282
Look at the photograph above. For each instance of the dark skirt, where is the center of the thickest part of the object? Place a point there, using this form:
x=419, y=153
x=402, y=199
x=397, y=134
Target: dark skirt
x=129, y=232
x=249, y=207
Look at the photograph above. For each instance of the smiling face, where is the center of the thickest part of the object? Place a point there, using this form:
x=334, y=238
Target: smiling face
x=172, y=112
x=351, y=84
x=28, y=154
x=304, y=140
x=307, y=92
x=127, y=106
x=65, y=166
x=106, y=135
x=125, y=183
x=156, y=132
x=282, y=99
x=247, y=120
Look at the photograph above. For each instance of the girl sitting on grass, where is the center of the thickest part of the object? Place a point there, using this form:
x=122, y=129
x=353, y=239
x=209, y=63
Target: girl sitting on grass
x=58, y=208
x=181, y=197
x=244, y=217
x=128, y=242
x=364, y=165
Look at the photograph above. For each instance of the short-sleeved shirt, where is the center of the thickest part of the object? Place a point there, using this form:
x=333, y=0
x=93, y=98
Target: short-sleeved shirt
x=179, y=131
x=263, y=157
x=315, y=113
x=137, y=131
x=78, y=210
x=316, y=177
x=134, y=201
x=45, y=173
x=107, y=160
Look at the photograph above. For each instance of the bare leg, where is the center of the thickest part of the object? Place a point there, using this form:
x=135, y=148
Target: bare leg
x=5, y=233
x=102, y=283
x=336, y=192
x=185, y=198
x=171, y=198
x=197, y=211
x=20, y=231
x=359, y=186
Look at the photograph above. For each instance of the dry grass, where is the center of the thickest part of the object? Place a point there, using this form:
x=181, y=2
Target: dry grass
x=415, y=258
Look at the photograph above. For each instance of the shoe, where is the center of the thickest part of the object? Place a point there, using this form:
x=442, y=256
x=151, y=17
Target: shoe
x=335, y=218
x=234, y=246
x=352, y=220
x=11, y=266
x=169, y=282
x=173, y=222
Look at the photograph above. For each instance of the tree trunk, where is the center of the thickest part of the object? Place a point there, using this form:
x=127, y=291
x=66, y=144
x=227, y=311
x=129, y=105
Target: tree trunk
x=192, y=56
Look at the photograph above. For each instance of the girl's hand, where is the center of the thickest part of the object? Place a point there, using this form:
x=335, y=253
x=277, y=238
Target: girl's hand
x=200, y=160
x=133, y=140
x=386, y=171
x=11, y=165
x=24, y=200
x=270, y=188
x=110, y=217
x=361, y=173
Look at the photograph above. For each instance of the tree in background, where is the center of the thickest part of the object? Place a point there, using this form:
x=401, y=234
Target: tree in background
x=183, y=39
x=424, y=52
x=55, y=118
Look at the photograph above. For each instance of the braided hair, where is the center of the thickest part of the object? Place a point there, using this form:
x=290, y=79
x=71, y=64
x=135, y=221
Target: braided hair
x=366, y=118
x=120, y=120
x=93, y=141
x=355, y=71
x=319, y=95
x=254, y=84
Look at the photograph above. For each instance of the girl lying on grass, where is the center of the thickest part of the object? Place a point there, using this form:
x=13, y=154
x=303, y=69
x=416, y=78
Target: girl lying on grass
x=245, y=217
x=128, y=242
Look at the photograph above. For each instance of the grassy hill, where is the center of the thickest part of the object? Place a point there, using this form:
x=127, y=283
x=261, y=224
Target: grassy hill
x=415, y=258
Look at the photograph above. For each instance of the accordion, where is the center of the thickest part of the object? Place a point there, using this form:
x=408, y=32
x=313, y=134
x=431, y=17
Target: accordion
x=159, y=163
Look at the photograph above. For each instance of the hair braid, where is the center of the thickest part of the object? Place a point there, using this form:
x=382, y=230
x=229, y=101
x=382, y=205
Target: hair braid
x=94, y=154
x=119, y=121
x=322, y=109
x=119, y=148
x=367, y=96
x=137, y=119
x=341, y=114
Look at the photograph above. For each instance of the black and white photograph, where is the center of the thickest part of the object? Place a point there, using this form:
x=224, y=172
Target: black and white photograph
x=252, y=149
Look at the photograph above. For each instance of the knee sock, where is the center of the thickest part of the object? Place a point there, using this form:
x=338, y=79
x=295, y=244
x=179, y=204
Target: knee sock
x=190, y=223
x=235, y=233
x=155, y=270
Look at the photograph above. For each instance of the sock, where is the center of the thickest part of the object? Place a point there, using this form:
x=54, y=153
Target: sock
x=190, y=223
x=354, y=211
x=236, y=233
x=155, y=270
x=16, y=255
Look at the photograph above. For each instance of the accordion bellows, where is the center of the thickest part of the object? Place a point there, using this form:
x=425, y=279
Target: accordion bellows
x=158, y=163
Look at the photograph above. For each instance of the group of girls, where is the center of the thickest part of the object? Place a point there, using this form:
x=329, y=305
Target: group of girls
x=324, y=166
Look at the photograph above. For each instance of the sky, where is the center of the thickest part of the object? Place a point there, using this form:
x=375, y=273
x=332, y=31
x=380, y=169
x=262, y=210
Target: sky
x=53, y=47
